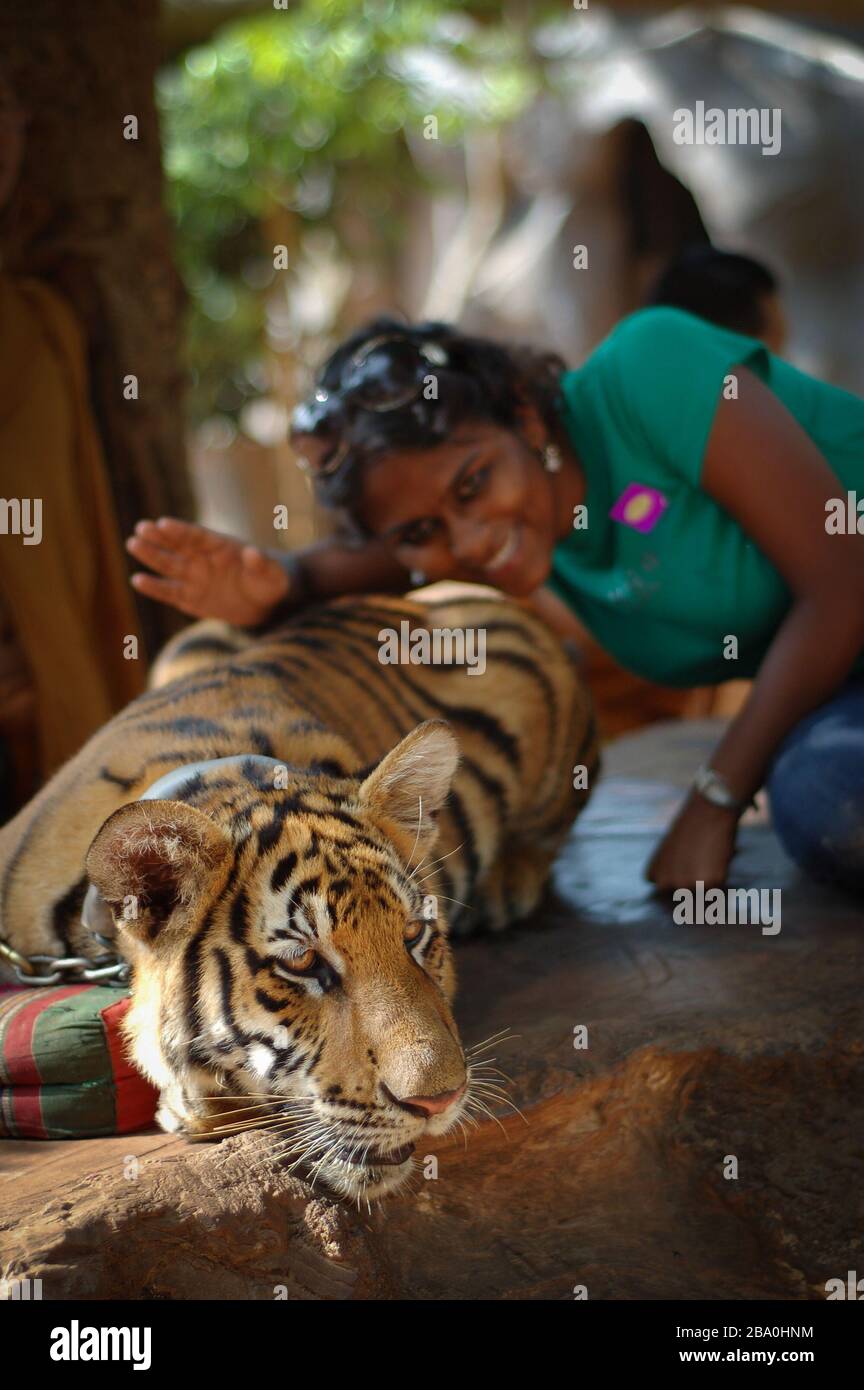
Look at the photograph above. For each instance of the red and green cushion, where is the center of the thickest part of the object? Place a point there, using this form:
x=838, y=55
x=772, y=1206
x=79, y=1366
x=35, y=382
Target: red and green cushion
x=63, y=1069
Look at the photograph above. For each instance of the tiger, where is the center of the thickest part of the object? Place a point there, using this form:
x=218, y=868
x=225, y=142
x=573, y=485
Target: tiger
x=281, y=837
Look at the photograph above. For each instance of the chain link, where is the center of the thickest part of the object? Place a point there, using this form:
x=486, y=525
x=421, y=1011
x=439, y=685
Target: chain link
x=55, y=970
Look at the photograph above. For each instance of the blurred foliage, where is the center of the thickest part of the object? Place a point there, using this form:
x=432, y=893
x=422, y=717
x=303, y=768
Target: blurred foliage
x=301, y=121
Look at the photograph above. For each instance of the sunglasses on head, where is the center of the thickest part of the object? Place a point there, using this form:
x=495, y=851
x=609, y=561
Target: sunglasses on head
x=385, y=373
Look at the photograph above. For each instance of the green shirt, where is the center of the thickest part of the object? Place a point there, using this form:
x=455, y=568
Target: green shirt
x=662, y=575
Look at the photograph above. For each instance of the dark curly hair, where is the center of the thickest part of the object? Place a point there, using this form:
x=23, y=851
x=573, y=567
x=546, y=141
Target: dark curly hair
x=482, y=380
x=721, y=286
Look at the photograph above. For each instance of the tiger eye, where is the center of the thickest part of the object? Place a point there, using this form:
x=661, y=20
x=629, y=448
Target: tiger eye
x=299, y=965
x=413, y=932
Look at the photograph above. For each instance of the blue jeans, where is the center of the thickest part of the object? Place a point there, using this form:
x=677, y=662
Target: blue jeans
x=816, y=790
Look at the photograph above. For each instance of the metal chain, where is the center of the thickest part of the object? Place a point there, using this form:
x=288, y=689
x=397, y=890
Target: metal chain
x=28, y=970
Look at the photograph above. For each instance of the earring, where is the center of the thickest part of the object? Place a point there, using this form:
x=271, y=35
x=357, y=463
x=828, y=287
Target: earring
x=552, y=458
x=418, y=579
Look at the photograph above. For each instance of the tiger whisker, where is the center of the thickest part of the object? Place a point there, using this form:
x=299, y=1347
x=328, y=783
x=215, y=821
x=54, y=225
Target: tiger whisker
x=290, y=1143
x=355, y=1149
x=491, y=1039
x=278, y=1133
x=499, y=1098
x=498, y=1077
x=476, y=1103
x=264, y=1104
x=413, y=1182
x=261, y=1095
x=323, y=1159
x=269, y=1122
x=240, y=1126
x=261, y=1122
x=286, y=1152
x=478, y=1079
x=275, y=1107
x=320, y=1136
x=267, y=1108
x=485, y=1068
x=280, y=1125
x=426, y=864
x=495, y=1041
x=417, y=836
x=481, y=1080
x=453, y=900
x=299, y=1128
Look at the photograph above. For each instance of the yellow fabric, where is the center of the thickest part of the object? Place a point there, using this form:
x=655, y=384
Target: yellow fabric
x=68, y=597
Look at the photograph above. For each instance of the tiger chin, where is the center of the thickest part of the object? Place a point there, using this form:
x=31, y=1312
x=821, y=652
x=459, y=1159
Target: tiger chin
x=312, y=914
x=280, y=837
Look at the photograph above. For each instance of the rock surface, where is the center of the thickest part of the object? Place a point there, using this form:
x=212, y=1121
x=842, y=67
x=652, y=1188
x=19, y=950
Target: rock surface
x=705, y=1044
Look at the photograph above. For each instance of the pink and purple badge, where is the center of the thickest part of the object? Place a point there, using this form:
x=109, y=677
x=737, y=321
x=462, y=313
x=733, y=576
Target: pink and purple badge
x=639, y=506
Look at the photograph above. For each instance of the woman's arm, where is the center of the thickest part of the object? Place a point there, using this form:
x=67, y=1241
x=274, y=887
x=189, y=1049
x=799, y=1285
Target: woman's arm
x=209, y=575
x=555, y=613
x=340, y=567
x=767, y=473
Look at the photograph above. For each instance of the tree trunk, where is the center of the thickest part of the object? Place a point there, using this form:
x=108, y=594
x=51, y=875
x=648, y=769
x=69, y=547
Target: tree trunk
x=87, y=217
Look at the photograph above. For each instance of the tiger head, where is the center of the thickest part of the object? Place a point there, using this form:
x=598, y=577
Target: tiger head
x=290, y=969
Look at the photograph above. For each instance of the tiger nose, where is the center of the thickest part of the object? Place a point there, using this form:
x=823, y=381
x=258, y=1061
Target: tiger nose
x=428, y=1105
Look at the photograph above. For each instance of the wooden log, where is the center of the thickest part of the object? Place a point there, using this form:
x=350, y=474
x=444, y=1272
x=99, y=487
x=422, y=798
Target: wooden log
x=159, y=1218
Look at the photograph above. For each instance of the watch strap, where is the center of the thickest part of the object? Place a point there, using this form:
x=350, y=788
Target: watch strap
x=713, y=787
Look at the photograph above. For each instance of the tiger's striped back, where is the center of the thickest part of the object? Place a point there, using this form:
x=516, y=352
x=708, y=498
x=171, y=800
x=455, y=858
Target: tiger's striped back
x=315, y=695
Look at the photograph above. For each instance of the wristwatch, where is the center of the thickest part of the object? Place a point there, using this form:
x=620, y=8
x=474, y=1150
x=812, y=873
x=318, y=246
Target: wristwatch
x=714, y=788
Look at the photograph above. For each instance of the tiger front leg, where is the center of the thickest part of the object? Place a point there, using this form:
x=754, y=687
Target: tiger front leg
x=510, y=890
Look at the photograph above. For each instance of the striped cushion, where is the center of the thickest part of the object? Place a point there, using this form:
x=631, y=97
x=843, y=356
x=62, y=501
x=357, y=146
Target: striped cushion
x=63, y=1072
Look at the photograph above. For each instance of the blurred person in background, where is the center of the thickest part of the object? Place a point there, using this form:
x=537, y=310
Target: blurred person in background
x=65, y=608
x=725, y=288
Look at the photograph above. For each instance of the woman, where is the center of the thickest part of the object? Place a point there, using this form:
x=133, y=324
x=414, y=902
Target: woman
x=676, y=492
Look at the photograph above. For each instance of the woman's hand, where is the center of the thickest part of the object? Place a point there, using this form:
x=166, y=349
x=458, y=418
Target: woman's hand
x=697, y=847
x=206, y=574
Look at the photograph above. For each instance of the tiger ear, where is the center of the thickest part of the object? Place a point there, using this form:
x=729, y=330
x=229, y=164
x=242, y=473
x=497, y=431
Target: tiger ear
x=152, y=857
x=410, y=785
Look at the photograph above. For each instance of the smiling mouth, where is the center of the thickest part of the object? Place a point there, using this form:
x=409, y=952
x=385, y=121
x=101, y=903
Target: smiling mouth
x=505, y=553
